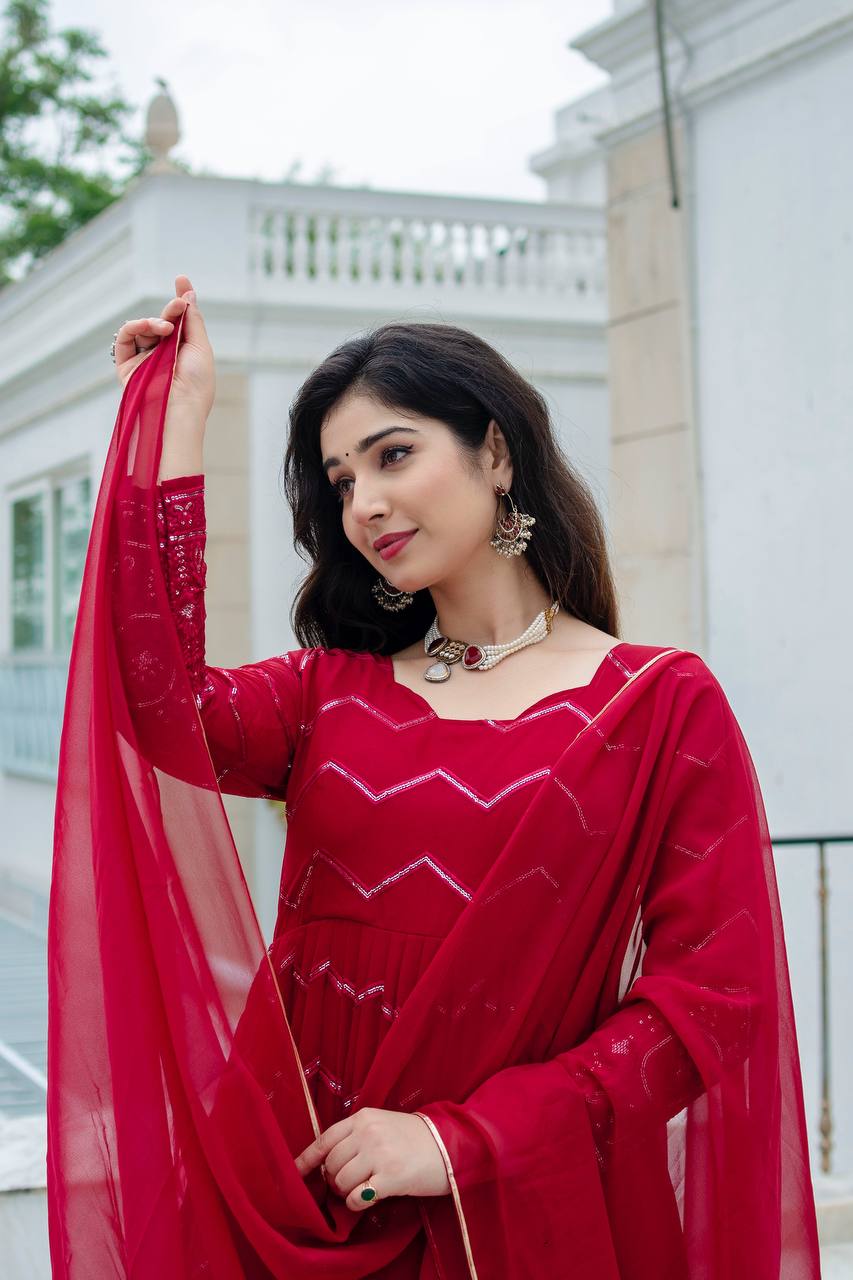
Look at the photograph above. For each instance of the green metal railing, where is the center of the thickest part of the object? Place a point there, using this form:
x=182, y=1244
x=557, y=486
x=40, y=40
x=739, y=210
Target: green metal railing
x=826, y=1120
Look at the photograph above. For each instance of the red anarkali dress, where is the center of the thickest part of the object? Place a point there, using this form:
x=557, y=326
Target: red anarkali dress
x=378, y=864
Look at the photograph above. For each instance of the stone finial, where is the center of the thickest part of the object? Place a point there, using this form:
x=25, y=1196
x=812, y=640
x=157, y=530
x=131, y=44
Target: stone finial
x=161, y=130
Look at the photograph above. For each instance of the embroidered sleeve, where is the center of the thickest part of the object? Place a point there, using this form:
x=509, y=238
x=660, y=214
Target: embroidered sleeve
x=251, y=714
x=181, y=537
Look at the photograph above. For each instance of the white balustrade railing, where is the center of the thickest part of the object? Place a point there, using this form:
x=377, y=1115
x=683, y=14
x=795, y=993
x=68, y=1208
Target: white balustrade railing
x=538, y=252
x=353, y=248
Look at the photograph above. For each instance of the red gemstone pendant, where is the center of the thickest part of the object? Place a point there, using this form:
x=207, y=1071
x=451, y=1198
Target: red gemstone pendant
x=472, y=657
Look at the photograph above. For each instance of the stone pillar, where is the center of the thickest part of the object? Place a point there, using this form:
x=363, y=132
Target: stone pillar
x=227, y=598
x=655, y=525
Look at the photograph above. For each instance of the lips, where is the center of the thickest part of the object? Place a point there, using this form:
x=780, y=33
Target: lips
x=388, y=538
x=397, y=545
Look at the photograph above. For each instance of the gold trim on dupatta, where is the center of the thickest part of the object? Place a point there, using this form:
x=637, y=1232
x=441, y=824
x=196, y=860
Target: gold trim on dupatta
x=457, y=1201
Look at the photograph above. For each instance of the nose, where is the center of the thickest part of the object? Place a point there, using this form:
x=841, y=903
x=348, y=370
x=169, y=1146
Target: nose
x=365, y=508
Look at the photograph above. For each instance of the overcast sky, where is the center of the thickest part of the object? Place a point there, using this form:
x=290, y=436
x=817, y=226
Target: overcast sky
x=418, y=95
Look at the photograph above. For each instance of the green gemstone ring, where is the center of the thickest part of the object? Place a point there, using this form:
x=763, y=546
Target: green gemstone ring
x=368, y=1192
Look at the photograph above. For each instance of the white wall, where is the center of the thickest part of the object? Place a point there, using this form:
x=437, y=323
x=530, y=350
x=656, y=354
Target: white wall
x=774, y=255
x=773, y=245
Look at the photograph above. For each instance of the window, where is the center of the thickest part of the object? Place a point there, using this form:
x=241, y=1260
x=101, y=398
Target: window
x=71, y=531
x=29, y=570
x=49, y=536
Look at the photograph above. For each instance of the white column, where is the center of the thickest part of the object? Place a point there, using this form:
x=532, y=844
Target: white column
x=275, y=569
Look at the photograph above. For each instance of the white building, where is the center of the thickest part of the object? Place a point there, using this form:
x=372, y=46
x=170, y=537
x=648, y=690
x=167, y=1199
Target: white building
x=731, y=456
x=692, y=358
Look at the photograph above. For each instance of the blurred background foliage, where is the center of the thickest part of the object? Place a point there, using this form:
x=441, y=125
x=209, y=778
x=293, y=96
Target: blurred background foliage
x=65, y=148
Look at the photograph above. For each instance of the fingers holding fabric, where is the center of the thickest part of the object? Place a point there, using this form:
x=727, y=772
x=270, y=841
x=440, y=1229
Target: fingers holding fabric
x=393, y=1151
x=136, y=339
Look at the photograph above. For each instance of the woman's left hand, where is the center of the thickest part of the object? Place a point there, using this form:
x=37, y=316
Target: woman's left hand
x=394, y=1149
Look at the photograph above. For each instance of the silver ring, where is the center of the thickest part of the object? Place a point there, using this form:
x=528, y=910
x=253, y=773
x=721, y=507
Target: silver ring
x=113, y=347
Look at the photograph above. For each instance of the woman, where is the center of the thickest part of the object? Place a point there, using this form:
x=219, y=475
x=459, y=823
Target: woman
x=526, y=1010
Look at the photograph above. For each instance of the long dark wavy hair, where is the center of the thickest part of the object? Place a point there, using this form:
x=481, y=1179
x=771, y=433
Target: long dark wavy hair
x=447, y=373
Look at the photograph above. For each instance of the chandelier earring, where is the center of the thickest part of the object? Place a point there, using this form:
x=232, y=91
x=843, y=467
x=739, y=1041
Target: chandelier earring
x=512, y=531
x=391, y=597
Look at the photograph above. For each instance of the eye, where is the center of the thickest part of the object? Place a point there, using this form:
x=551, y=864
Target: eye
x=394, y=448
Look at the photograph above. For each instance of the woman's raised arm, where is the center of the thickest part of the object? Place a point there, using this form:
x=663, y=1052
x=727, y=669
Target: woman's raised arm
x=251, y=714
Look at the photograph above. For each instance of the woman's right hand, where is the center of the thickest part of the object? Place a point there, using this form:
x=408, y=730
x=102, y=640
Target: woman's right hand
x=194, y=382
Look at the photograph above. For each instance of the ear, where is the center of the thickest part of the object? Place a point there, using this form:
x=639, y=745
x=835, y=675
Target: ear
x=501, y=465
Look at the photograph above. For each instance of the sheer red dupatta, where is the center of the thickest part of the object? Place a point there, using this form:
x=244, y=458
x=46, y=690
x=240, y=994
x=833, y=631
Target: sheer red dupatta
x=175, y=1096
x=653, y=1125
x=635, y=899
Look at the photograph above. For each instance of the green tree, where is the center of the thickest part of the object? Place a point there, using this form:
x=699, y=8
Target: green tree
x=46, y=189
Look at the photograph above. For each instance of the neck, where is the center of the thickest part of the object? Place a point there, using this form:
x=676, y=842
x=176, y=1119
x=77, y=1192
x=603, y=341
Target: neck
x=491, y=601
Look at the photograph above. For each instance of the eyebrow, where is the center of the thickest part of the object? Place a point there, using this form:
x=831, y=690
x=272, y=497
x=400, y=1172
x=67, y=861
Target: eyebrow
x=368, y=441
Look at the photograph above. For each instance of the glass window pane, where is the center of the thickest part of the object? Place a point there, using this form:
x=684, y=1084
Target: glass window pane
x=72, y=535
x=29, y=587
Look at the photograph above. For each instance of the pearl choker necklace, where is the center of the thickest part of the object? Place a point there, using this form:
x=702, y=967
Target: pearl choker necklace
x=479, y=657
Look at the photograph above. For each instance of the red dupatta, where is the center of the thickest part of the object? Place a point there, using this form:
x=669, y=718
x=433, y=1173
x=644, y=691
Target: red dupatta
x=603, y=1046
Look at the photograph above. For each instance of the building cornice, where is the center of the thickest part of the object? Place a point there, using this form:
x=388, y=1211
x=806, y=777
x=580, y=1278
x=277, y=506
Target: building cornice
x=617, y=41
x=712, y=46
